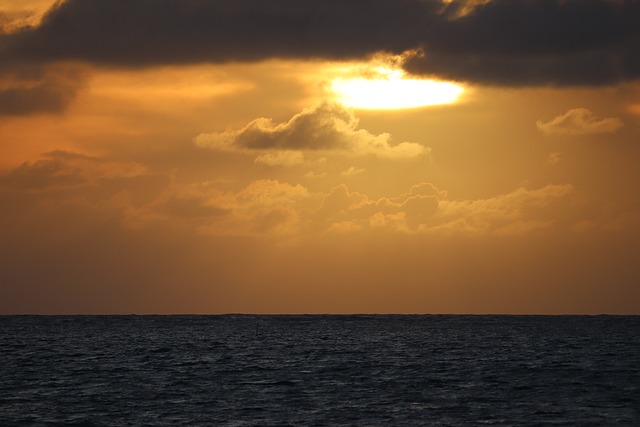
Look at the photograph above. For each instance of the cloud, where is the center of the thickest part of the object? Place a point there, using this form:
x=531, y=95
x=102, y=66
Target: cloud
x=35, y=89
x=418, y=210
x=263, y=208
x=137, y=197
x=72, y=257
x=554, y=158
x=498, y=42
x=50, y=172
x=579, y=121
x=194, y=31
x=426, y=189
x=62, y=170
x=325, y=127
x=425, y=209
x=188, y=205
x=460, y=8
x=339, y=201
x=353, y=171
x=16, y=15
x=118, y=191
x=14, y=20
x=281, y=158
x=532, y=43
x=315, y=175
x=523, y=210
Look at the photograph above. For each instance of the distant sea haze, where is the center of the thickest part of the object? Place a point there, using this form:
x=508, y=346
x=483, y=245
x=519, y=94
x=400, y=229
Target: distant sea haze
x=320, y=370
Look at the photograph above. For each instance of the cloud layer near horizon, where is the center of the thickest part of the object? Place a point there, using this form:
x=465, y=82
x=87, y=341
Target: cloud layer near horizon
x=139, y=197
x=94, y=234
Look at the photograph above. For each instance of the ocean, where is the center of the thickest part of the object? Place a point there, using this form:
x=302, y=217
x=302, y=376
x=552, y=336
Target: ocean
x=320, y=370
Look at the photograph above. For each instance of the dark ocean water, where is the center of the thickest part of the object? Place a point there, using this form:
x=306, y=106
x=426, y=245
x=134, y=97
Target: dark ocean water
x=320, y=370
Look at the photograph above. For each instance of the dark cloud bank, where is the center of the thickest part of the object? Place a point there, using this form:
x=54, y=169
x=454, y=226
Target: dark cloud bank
x=502, y=42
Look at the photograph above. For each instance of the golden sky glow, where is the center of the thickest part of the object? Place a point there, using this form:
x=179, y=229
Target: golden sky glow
x=275, y=170
x=389, y=89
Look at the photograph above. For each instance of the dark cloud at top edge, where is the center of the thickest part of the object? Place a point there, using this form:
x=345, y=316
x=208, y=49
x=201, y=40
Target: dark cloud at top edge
x=541, y=42
x=502, y=42
x=140, y=33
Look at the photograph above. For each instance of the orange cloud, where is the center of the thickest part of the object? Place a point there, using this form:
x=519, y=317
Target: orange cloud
x=425, y=209
x=281, y=158
x=353, y=171
x=579, y=121
x=263, y=208
x=273, y=208
x=63, y=169
x=19, y=14
x=517, y=212
x=323, y=128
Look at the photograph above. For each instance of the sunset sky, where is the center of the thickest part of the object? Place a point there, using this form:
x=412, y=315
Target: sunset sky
x=319, y=156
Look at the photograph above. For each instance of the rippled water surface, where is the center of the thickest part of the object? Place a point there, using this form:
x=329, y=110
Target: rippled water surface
x=320, y=370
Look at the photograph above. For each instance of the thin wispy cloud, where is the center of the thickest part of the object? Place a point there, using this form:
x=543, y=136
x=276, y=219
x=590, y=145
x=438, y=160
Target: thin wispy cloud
x=579, y=121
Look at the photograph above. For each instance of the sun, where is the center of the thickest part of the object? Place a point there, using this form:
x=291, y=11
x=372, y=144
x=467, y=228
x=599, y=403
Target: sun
x=387, y=88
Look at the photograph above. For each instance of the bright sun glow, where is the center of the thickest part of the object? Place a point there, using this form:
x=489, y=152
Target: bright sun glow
x=390, y=90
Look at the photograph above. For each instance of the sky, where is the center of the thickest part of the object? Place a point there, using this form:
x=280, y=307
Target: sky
x=319, y=156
